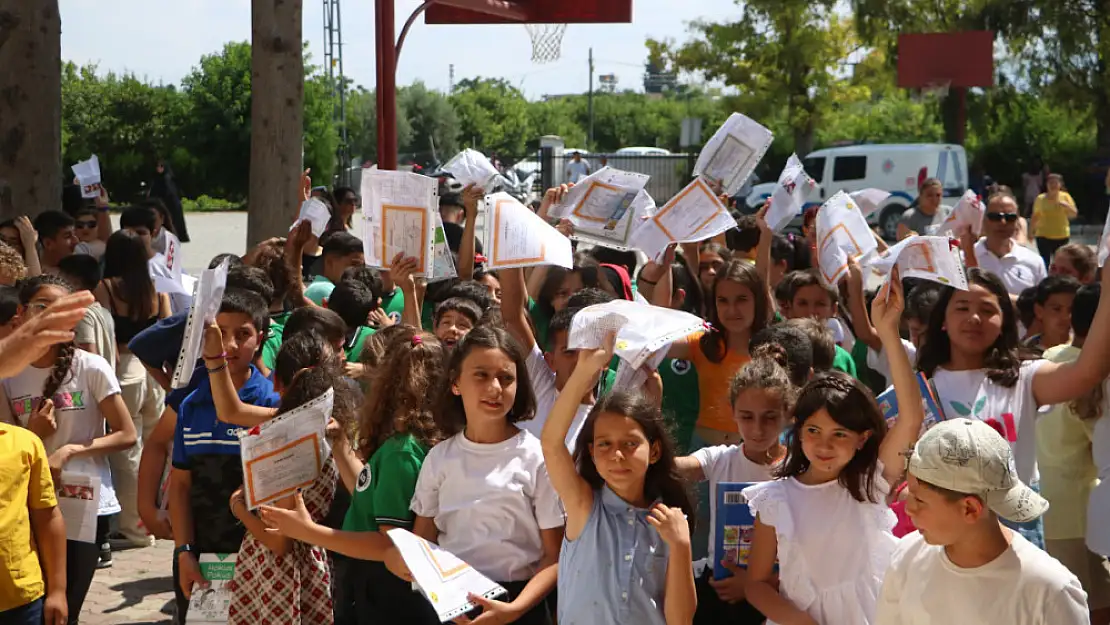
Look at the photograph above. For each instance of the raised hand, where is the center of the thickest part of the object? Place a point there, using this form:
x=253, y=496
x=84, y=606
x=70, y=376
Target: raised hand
x=306, y=184
x=670, y=523
x=402, y=269
x=39, y=333
x=886, y=309
x=597, y=359
x=471, y=195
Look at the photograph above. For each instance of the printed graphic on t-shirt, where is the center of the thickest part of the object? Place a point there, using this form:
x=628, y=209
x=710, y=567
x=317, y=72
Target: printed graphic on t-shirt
x=680, y=367
x=62, y=402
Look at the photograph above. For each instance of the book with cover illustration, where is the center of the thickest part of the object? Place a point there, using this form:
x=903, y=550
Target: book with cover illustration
x=733, y=524
x=934, y=414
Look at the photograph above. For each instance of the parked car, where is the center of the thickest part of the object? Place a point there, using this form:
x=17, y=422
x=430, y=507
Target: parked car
x=896, y=168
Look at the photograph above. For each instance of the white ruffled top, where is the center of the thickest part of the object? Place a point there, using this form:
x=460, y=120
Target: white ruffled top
x=833, y=550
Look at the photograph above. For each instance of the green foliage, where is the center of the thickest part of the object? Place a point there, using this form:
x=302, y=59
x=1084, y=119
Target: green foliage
x=210, y=204
x=493, y=116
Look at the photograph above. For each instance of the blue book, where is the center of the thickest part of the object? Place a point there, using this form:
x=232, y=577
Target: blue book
x=733, y=524
x=934, y=414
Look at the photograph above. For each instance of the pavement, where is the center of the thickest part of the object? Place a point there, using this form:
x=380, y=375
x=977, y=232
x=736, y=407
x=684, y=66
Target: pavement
x=137, y=590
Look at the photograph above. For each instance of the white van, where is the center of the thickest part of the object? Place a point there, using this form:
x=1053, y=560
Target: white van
x=896, y=168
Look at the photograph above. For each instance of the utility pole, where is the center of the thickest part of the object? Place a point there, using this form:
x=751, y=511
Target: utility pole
x=450, y=79
x=590, y=105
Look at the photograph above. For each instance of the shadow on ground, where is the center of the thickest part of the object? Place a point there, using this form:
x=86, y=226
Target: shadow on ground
x=136, y=590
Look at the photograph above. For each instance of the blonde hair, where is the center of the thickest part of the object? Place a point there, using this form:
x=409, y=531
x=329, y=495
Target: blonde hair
x=12, y=268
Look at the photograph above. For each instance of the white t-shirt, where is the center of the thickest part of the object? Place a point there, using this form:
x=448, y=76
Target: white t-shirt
x=1019, y=270
x=1023, y=586
x=76, y=410
x=98, y=329
x=971, y=395
x=577, y=170
x=1098, y=510
x=543, y=387
x=878, y=362
x=94, y=248
x=489, y=502
x=727, y=463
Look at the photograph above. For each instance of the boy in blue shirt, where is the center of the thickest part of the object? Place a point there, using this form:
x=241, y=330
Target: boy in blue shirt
x=206, y=463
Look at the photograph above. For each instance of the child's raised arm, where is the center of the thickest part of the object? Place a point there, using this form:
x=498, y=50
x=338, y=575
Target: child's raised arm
x=229, y=408
x=886, y=311
x=402, y=269
x=575, y=492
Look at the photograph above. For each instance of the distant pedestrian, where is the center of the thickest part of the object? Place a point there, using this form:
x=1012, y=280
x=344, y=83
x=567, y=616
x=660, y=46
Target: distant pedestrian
x=164, y=187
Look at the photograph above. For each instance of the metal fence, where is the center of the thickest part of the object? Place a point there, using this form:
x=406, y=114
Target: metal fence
x=670, y=173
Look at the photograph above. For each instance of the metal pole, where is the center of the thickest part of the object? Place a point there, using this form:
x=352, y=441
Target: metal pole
x=387, y=87
x=344, y=146
x=379, y=88
x=590, y=104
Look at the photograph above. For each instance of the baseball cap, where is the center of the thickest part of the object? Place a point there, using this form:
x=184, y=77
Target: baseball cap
x=968, y=456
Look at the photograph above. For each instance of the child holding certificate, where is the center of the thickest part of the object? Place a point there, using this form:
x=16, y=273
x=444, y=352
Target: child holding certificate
x=483, y=494
x=395, y=434
x=277, y=579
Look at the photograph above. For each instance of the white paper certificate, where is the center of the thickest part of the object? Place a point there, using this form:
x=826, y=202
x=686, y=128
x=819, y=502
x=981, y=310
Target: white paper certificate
x=926, y=257
x=444, y=579
x=517, y=237
x=842, y=233
x=398, y=208
x=606, y=206
x=78, y=500
x=695, y=214
x=642, y=329
x=286, y=452
x=206, y=303
x=731, y=154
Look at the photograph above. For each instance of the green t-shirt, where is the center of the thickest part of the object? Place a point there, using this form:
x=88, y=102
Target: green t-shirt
x=354, y=346
x=427, y=316
x=541, y=321
x=319, y=290
x=871, y=378
x=394, y=304
x=384, y=489
x=681, y=400
x=274, y=335
x=842, y=361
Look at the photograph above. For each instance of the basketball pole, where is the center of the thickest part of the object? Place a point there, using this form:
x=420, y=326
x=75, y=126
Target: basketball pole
x=389, y=52
x=590, y=104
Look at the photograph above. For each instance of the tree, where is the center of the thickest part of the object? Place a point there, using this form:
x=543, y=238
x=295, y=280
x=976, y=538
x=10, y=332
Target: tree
x=362, y=124
x=880, y=21
x=433, y=125
x=321, y=134
x=777, y=51
x=30, y=107
x=493, y=116
x=277, y=117
x=218, y=132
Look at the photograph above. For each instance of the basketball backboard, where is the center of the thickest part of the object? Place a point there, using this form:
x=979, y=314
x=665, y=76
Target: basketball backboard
x=961, y=59
x=535, y=11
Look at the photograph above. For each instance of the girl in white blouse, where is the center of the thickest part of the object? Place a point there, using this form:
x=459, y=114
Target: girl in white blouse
x=826, y=520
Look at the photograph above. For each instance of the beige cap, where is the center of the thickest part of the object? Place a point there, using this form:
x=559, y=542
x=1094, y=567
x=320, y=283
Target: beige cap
x=969, y=456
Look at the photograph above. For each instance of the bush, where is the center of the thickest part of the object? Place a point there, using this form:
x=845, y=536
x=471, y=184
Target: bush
x=205, y=204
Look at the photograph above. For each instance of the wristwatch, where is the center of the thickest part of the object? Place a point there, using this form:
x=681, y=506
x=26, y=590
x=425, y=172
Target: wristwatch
x=186, y=548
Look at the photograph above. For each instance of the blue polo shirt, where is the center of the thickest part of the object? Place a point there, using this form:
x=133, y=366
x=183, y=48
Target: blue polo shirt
x=209, y=450
x=161, y=342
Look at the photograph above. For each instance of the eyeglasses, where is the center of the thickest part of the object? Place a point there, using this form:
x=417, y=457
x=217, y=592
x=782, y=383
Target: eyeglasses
x=85, y=225
x=38, y=306
x=1007, y=217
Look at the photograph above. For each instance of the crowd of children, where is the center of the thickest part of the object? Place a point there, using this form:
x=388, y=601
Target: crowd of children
x=461, y=414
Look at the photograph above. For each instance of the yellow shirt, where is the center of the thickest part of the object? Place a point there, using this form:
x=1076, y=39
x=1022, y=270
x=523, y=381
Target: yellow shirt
x=25, y=484
x=1068, y=472
x=714, y=411
x=1052, y=217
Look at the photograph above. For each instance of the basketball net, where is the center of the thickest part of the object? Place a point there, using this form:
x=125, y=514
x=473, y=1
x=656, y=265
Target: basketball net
x=547, y=41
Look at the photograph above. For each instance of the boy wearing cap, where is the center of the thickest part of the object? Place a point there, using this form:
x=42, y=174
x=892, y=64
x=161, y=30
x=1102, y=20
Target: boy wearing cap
x=962, y=565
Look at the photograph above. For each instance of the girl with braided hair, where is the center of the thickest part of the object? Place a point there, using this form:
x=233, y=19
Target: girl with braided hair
x=825, y=518
x=66, y=397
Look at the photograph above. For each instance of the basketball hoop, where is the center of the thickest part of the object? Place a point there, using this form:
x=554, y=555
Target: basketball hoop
x=547, y=41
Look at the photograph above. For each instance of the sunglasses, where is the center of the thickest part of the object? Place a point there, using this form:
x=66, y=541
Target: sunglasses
x=85, y=225
x=1007, y=217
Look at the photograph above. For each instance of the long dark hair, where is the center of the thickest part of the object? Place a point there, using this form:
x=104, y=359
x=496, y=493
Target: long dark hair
x=450, y=415
x=399, y=399
x=307, y=367
x=852, y=406
x=1003, y=358
x=125, y=257
x=714, y=343
x=63, y=361
x=662, y=480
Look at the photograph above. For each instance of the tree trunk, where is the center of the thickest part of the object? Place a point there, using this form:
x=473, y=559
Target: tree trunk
x=30, y=107
x=277, y=118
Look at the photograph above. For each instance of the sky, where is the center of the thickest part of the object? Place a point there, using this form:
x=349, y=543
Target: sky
x=163, y=40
